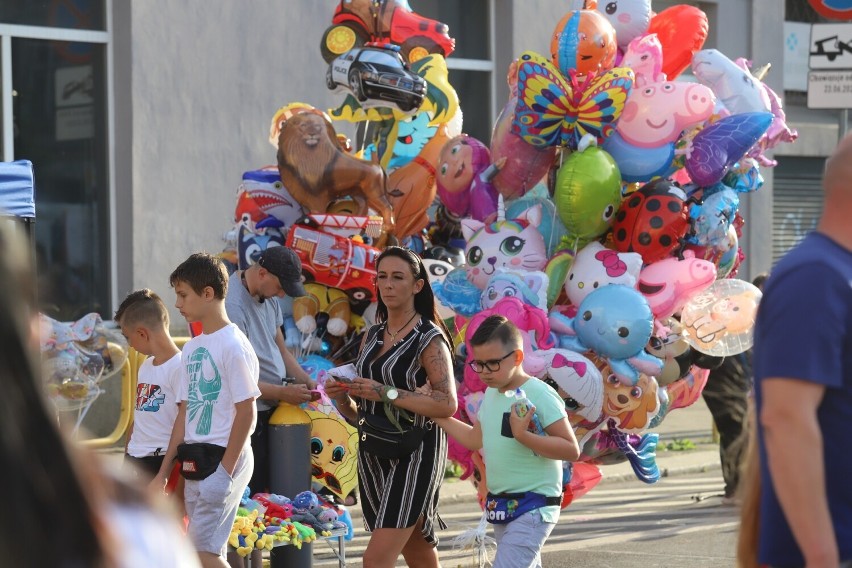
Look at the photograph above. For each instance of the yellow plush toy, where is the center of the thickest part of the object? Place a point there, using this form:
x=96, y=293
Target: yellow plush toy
x=322, y=302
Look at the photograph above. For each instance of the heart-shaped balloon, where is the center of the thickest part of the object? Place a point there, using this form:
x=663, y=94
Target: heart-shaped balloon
x=682, y=30
x=716, y=148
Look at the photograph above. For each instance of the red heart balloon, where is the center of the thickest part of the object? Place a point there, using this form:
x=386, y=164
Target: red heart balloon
x=682, y=30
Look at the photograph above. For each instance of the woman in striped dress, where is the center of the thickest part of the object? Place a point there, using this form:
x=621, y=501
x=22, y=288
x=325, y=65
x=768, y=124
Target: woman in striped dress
x=408, y=348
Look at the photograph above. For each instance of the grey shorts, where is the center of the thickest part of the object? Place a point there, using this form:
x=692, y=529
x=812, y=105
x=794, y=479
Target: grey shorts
x=211, y=504
x=519, y=543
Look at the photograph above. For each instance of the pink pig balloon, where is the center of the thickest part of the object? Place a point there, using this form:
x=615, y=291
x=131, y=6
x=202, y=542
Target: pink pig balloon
x=657, y=113
x=670, y=283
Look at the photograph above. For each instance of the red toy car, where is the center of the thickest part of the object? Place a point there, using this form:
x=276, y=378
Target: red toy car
x=357, y=22
x=336, y=261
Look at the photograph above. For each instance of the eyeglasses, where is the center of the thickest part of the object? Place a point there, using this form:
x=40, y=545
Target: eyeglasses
x=492, y=365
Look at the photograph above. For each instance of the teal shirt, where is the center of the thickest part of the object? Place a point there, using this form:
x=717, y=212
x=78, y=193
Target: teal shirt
x=510, y=466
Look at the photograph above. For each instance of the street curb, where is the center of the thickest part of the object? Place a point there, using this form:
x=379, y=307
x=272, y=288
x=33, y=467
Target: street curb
x=664, y=472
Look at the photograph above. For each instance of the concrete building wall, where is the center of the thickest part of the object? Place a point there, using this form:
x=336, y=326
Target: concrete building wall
x=206, y=80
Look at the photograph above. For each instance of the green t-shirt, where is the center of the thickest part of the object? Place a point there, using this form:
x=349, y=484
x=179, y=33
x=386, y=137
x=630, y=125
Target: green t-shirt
x=510, y=466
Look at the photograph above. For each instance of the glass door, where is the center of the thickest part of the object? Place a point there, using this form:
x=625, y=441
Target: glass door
x=59, y=113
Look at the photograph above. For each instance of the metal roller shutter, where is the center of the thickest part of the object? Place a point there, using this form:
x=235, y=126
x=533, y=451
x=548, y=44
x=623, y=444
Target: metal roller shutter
x=797, y=202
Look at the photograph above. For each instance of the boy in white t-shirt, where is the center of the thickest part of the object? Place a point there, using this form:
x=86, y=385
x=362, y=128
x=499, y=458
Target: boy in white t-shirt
x=217, y=414
x=144, y=321
x=523, y=467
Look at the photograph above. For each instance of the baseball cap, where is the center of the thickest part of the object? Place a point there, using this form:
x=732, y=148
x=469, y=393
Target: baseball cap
x=284, y=263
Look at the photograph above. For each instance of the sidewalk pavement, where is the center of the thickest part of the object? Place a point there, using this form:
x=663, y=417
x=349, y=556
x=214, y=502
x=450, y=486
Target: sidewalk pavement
x=693, y=423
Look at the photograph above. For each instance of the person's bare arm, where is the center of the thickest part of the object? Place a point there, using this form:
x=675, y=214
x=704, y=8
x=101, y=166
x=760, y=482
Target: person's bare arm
x=794, y=449
x=559, y=443
x=158, y=484
x=468, y=436
x=244, y=420
x=296, y=393
x=438, y=402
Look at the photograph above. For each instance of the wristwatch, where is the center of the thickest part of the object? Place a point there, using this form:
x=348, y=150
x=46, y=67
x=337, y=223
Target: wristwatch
x=390, y=394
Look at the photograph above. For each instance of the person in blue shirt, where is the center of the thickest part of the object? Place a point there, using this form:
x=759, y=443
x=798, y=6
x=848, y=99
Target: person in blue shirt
x=524, y=467
x=803, y=389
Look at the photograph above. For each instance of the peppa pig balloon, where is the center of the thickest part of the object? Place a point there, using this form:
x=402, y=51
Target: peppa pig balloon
x=724, y=254
x=583, y=42
x=653, y=118
x=668, y=284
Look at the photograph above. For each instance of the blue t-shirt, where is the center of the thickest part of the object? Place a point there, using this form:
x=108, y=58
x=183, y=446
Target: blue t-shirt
x=804, y=331
x=510, y=466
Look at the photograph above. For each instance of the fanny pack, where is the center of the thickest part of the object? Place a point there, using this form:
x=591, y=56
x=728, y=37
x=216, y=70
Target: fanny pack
x=382, y=438
x=199, y=460
x=502, y=508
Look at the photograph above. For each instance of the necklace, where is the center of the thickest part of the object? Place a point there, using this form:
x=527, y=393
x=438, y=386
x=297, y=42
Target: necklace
x=392, y=334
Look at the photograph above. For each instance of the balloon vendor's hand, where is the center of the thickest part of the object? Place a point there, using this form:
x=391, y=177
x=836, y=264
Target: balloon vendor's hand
x=336, y=390
x=520, y=424
x=367, y=389
x=295, y=394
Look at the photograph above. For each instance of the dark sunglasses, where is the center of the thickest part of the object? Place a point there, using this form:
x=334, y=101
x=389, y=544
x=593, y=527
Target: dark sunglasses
x=492, y=365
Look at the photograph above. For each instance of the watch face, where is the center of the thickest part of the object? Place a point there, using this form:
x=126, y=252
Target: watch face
x=392, y=393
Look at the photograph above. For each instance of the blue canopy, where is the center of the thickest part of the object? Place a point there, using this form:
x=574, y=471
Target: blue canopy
x=17, y=190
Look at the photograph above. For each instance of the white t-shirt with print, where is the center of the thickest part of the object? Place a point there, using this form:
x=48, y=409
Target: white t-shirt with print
x=220, y=370
x=156, y=406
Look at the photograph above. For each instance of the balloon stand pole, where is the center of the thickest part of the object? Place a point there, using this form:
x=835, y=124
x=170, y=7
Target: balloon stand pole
x=290, y=463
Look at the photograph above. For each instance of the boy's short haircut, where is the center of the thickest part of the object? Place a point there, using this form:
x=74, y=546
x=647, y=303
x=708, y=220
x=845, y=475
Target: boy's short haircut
x=143, y=307
x=497, y=328
x=201, y=270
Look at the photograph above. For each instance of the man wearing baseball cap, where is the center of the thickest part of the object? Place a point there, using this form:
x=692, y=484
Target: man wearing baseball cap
x=276, y=273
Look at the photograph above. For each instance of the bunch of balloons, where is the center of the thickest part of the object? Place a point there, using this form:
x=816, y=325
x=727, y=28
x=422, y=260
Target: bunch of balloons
x=602, y=216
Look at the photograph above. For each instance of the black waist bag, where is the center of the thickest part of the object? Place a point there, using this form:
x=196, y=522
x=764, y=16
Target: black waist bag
x=380, y=437
x=199, y=460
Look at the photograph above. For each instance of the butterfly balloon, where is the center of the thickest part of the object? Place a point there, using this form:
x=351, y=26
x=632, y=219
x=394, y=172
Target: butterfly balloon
x=553, y=110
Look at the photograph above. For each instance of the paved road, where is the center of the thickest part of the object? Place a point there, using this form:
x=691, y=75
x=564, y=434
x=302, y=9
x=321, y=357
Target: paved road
x=618, y=525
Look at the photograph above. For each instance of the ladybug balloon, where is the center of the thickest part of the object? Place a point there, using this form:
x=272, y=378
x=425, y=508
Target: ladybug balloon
x=652, y=221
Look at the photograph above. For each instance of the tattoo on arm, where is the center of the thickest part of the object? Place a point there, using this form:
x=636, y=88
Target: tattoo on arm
x=436, y=360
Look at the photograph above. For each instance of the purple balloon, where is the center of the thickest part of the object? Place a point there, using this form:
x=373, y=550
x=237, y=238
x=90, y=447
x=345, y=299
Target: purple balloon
x=717, y=147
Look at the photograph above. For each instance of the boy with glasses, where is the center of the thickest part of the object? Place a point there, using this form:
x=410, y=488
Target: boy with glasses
x=524, y=469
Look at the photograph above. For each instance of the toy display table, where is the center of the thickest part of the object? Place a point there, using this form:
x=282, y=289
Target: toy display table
x=255, y=560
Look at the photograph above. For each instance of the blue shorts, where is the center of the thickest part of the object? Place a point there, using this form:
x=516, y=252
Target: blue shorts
x=519, y=542
x=211, y=504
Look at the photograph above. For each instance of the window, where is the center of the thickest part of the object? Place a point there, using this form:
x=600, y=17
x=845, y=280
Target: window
x=471, y=65
x=55, y=114
x=74, y=14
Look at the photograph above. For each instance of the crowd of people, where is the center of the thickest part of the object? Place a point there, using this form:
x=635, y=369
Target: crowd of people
x=206, y=438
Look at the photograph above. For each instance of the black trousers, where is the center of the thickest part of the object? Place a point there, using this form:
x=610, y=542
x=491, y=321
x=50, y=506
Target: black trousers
x=259, y=482
x=148, y=466
x=726, y=395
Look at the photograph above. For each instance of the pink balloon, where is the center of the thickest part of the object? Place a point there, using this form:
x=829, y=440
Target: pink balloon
x=525, y=165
